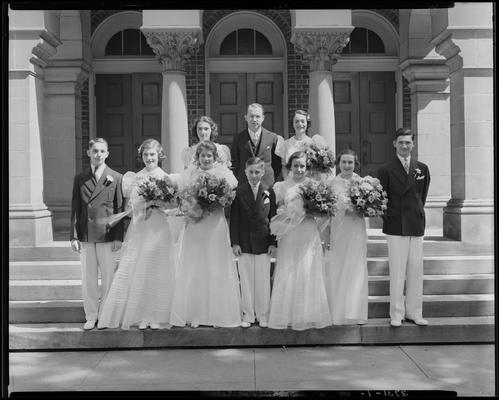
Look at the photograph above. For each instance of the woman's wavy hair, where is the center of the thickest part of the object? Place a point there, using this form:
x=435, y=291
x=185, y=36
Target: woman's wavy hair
x=306, y=115
x=347, y=152
x=194, y=127
x=294, y=156
x=150, y=144
x=208, y=145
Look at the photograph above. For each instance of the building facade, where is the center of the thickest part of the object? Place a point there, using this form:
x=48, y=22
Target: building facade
x=131, y=75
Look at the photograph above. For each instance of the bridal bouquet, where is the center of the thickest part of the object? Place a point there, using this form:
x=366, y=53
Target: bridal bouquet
x=205, y=195
x=368, y=196
x=319, y=158
x=318, y=198
x=162, y=189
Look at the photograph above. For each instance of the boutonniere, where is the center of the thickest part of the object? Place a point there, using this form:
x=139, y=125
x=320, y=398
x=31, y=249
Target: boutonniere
x=265, y=194
x=109, y=180
x=417, y=174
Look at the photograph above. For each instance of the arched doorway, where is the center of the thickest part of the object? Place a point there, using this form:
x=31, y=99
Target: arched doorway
x=127, y=84
x=367, y=91
x=245, y=63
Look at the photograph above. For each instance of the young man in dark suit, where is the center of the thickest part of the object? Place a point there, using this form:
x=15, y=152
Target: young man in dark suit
x=96, y=196
x=252, y=242
x=406, y=182
x=256, y=141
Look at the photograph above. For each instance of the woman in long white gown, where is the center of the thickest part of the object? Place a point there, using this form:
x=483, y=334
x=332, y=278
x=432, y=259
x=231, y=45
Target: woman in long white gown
x=347, y=282
x=204, y=129
x=299, y=297
x=142, y=287
x=207, y=286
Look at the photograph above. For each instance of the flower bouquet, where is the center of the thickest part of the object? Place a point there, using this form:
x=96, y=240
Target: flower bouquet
x=153, y=189
x=368, y=197
x=205, y=195
x=319, y=158
x=318, y=198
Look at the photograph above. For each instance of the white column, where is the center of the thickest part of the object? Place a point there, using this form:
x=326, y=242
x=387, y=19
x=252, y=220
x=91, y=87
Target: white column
x=173, y=48
x=174, y=121
x=466, y=41
x=430, y=121
x=30, y=222
x=320, y=50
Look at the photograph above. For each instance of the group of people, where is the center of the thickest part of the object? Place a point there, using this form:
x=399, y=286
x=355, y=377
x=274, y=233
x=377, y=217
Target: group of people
x=167, y=278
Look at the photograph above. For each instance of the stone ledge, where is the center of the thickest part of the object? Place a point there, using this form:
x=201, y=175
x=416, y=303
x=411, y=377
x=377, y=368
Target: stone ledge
x=376, y=331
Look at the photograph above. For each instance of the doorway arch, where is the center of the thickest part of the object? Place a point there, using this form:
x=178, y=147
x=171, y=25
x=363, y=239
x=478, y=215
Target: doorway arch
x=246, y=78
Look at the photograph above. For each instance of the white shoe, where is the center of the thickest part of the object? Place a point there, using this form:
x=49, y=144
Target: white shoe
x=143, y=325
x=263, y=324
x=194, y=325
x=90, y=324
x=154, y=325
x=419, y=321
x=395, y=323
x=245, y=324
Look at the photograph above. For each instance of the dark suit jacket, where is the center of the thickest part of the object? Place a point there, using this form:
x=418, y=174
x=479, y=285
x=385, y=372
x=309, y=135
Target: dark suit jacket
x=241, y=150
x=92, y=204
x=407, y=193
x=250, y=218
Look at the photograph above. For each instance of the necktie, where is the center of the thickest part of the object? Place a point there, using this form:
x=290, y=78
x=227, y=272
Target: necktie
x=255, y=191
x=406, y=165
x=94, y=177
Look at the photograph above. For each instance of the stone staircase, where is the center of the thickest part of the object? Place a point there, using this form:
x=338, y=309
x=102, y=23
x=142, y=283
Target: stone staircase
x=46, y=310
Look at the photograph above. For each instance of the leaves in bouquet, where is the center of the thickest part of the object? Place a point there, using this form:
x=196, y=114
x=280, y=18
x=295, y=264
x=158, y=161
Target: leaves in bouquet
x=368, y=196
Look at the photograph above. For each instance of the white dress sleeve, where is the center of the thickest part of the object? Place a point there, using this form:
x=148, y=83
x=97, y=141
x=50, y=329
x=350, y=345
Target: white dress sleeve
x=280, y=148
x=224, y=154
x=128, y=182
x=186, y=156
x=319, y=140
x=221, y=171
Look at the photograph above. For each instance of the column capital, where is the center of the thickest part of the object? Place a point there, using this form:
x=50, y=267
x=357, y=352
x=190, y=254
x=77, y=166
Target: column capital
x=320, y=49
x=430, y=75
x=173, y=47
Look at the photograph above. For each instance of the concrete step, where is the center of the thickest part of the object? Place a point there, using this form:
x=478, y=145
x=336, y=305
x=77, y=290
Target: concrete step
x=438, y=265
x=63, y=336
x=462, y=305
x=376, y=247
x=45, y=289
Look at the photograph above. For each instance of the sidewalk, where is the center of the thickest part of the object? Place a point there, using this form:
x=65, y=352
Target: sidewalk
x=466, y=369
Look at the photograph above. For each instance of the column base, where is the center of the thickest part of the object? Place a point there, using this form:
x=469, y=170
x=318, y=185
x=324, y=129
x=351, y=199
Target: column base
x=470, y=221
x=434, y=210
x=29, y=226
x=61, y=218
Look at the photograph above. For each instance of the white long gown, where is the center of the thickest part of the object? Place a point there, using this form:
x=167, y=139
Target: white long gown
x=207, y=286
x=347, y=277
x=143, y=284
x=298, y=297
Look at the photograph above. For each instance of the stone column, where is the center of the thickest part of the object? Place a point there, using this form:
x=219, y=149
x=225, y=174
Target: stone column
x=469, y=215
x=320, y=50
x=468, y=48
x=430, y=120
x=62, y=137
x=173, y=48
x=30, y=222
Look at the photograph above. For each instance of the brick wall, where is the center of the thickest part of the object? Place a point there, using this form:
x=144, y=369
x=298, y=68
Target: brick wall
x=406, y=103
x=85, y=126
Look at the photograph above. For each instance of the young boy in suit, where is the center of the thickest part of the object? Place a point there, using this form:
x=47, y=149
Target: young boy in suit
x=252, y=242
x=96, y=196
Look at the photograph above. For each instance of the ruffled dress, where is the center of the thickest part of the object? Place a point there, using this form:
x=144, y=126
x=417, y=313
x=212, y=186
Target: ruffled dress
x=207, y=285
x=298, y=299
x=142, y=287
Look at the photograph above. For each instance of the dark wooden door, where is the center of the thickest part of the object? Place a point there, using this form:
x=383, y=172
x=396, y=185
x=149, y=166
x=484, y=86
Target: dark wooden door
x=230, y=95
x=365, y=116
x=128, y=112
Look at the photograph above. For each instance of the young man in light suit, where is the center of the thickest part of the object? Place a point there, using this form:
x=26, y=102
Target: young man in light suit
x=252, y=242
x=406, y=182
x=256, y=141
x=96, y=196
